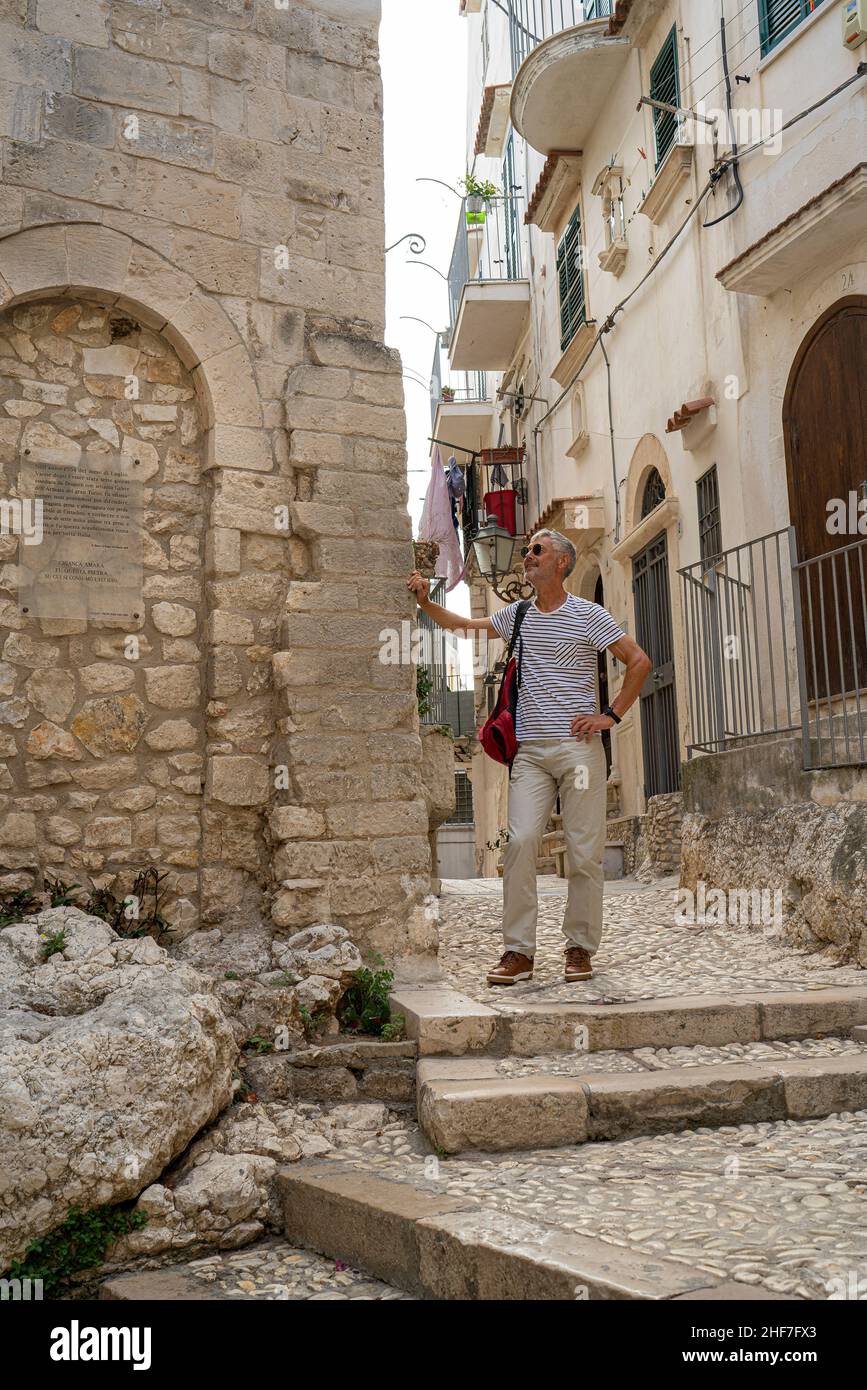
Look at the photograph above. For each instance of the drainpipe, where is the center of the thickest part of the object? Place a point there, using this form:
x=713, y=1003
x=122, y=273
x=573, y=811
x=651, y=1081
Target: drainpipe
x=613, y=450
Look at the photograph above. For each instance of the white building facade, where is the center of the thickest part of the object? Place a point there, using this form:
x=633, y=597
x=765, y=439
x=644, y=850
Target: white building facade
x=660, y=324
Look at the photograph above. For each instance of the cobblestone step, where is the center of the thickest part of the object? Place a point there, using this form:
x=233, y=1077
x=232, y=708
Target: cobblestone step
x=449, y=1247
x=446, y=1022
x=268, y=1271
x=466, y=1105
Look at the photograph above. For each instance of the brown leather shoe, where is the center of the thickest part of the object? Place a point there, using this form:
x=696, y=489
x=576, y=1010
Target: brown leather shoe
x=512, y=968
x=578, y=964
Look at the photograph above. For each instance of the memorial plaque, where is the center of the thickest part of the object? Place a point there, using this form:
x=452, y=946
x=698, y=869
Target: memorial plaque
x=83, y=556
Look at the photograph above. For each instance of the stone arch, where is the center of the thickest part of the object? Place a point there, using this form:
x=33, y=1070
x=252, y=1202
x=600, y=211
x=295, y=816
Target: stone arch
x=583, y=580
x=648, y=454
x=86, y=258
x=89, y=262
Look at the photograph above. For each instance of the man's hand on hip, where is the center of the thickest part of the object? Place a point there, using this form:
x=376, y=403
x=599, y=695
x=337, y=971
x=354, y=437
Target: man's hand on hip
x=586, y=725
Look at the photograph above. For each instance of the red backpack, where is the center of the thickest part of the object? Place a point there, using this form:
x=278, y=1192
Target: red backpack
x=497, y=735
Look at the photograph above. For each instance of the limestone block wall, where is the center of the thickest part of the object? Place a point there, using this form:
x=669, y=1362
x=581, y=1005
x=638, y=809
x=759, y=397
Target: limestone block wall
x=104, y=739
x=213, y=170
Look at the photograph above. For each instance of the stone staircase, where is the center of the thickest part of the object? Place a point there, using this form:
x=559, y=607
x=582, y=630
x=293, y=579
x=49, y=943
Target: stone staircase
x=552, y=852
x=520, y=1076
x=531, y=1076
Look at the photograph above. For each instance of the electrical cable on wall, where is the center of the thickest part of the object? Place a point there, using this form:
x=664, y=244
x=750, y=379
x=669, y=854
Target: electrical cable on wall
x=716, y=174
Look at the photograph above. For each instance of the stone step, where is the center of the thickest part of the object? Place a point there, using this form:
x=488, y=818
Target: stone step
x=350, y=1069
x=269, y=1270
x=551, y=840
x=443, y=1247
x=463, y=1104
x=445, y=1022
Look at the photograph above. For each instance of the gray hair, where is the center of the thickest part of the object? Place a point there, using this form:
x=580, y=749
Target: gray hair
x=564, y=545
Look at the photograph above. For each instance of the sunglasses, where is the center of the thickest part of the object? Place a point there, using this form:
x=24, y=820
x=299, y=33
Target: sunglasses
x=536, y=549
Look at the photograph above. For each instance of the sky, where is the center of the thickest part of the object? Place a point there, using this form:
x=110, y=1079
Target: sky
x=423, y=46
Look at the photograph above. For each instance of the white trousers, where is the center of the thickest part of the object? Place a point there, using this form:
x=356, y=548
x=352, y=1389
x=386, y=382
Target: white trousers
x=577, y=771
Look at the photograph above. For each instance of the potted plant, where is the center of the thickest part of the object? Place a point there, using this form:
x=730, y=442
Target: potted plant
x=448, y=393
x=426, y=553
x=478, y=192
x=499, y=844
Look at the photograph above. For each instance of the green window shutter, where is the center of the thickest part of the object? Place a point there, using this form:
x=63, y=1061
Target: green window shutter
x=777, y=19
x=665, y=86
x=573, y=309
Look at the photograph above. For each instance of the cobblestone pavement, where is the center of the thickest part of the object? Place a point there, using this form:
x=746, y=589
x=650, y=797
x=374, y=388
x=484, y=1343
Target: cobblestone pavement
x=777, y=1204
x=644, y=954
x=272, y=1270
x=664, y=1058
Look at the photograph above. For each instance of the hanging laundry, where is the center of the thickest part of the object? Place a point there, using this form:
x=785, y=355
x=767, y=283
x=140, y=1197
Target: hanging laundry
x=437, y=524
x=499, y=476
x=456, y=480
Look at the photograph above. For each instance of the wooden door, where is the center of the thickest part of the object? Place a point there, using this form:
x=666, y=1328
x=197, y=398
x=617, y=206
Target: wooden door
x=825, y=431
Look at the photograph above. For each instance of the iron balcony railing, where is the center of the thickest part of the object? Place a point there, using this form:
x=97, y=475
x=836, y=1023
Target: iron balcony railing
x=447, y=703
x=831, y=596
x=741, y=671
x=471, y=387
x=487, y=246
x=777, y=645
x=533, y=21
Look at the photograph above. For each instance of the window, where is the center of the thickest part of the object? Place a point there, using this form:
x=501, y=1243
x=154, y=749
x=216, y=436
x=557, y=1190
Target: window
x=709, y=528
x=512, y=237
x=463, y=812
x=654, y=492
x=570, y=275
x=665, y=86
x=777, y=19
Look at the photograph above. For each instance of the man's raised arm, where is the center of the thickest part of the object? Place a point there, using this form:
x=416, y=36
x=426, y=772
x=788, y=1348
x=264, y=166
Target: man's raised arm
x=452, y=622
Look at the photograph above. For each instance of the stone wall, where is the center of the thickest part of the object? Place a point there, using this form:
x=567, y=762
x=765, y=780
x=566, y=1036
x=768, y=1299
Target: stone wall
x=213, y=172
x=652, y=842
x=756, y=820
x=98, y=732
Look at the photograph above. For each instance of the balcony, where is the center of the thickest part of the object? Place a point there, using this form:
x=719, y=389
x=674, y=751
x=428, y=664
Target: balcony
x=495, y=487
x=489, y=299
x=461, y=408
x=565, y=63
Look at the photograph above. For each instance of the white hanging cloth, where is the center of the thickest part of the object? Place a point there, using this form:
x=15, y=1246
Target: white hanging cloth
x=437, y=525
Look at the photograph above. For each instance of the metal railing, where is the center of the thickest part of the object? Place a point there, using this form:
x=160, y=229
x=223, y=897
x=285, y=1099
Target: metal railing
x=778, y=645
x=447, y=703
x=533, y=21
x=470, y=387
x=487, y=248
x=738, y=614
x=831, y=596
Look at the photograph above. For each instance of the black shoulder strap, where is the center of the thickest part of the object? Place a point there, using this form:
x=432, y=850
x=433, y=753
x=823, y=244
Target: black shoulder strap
x=520, y=615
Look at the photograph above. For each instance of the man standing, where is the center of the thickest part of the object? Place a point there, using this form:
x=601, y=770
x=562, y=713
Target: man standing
x=560, y=752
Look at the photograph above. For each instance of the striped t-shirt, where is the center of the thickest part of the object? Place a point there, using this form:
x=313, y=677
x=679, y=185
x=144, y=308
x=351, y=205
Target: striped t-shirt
x=558, y=663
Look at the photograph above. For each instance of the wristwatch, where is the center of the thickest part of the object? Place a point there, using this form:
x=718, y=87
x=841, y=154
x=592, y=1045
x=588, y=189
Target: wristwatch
x=610, y=712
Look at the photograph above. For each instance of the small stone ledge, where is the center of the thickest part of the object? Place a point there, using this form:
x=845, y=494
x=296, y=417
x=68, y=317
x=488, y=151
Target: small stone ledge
x=361, y=1069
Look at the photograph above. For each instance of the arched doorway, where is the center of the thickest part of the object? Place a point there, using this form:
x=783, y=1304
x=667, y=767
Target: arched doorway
x=825, y=431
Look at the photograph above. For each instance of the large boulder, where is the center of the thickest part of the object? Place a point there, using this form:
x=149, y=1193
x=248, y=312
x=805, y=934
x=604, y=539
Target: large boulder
x=112, y=1057
x=221, y=1193
x=267, y=983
